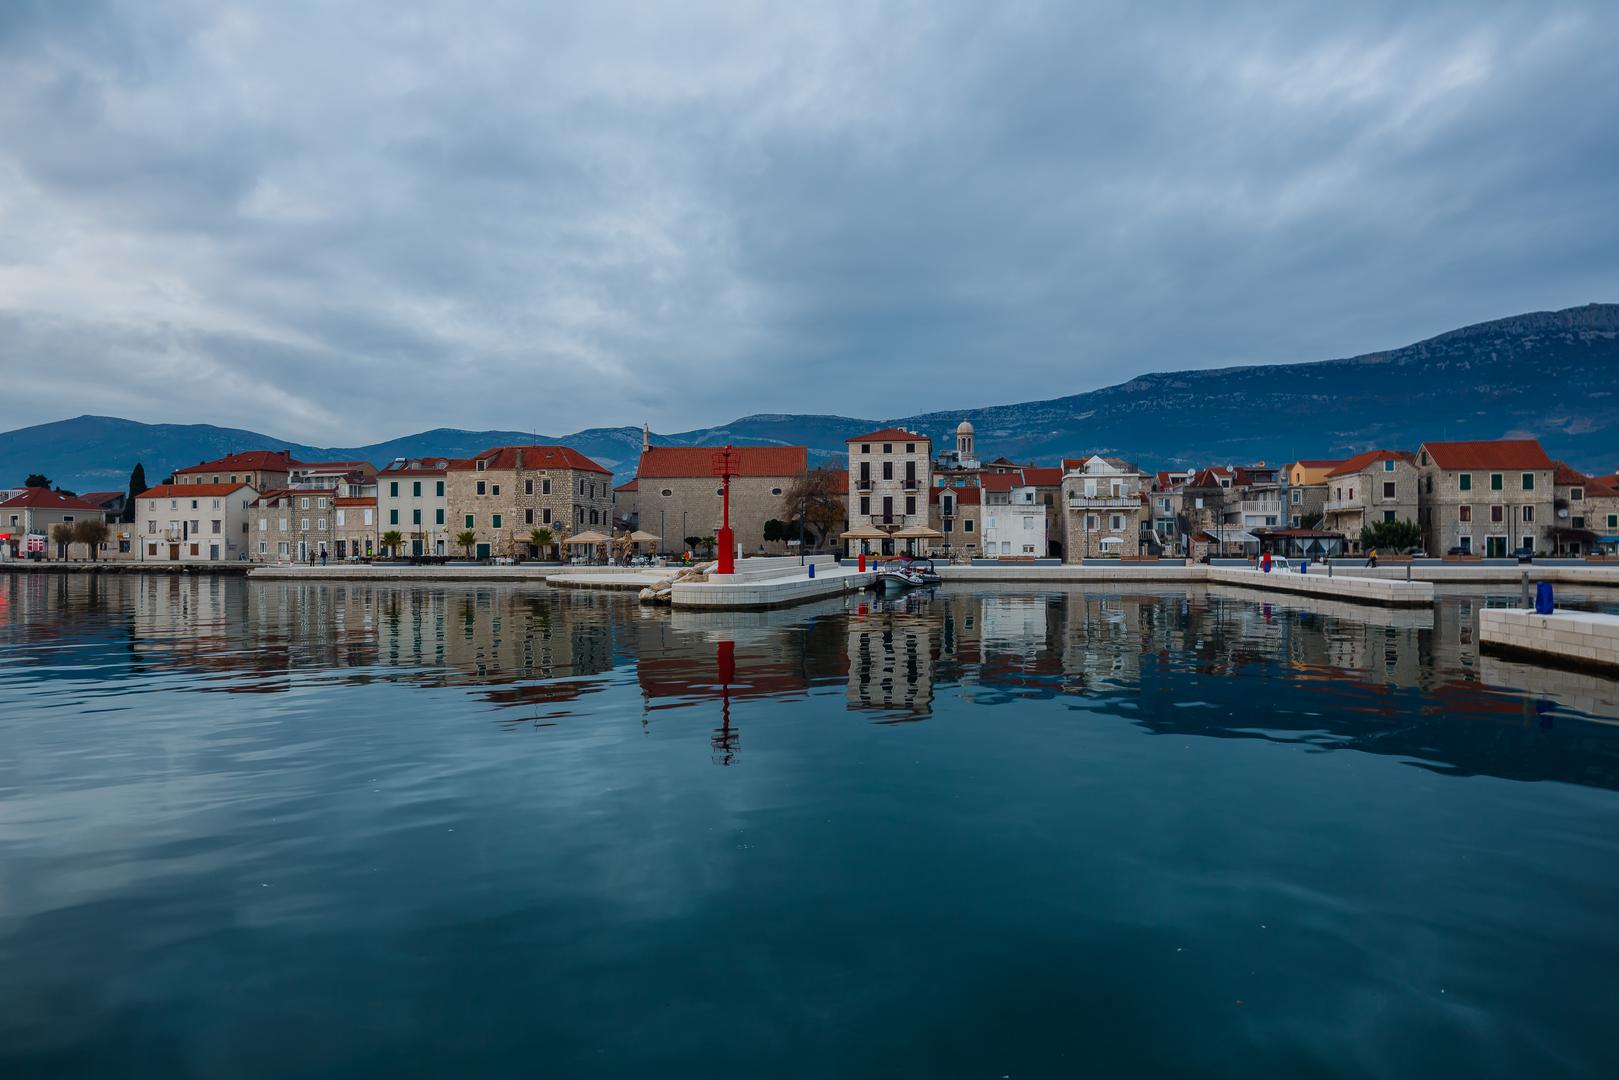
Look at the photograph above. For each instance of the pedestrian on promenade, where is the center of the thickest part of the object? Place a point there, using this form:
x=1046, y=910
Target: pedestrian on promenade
x=1371, y=557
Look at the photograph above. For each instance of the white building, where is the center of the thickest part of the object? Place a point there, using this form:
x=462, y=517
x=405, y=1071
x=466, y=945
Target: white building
x=193, y=523
x=1014, y=517
x=411, y=501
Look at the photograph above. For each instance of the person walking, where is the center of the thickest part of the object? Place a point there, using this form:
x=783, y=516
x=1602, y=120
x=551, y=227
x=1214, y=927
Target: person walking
x=1371, y=557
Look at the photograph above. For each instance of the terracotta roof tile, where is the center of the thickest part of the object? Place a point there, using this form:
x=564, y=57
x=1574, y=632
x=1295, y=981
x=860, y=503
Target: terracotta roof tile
x=1042, y=476
x=189, y=491
x=1359, y=463
x=891, y=435
x=37, y=498
x=688, y=461
x=628, y=485
x=246, y=461
x=534, y=457
x=1489, y=454
x=1565, y=475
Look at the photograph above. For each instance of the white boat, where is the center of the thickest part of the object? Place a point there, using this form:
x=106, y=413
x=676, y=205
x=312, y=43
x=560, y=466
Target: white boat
x=896, y=576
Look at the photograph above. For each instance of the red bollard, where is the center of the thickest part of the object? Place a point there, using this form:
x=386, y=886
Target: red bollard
x=862, y=562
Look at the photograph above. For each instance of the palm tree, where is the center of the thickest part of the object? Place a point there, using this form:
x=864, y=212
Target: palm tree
x=391, y=540
x=541, y=539
x=92, y=534
x=465, y=540
x=62, y=536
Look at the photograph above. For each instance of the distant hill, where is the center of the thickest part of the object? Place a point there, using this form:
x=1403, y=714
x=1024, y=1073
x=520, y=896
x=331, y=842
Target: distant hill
x=1553, y=375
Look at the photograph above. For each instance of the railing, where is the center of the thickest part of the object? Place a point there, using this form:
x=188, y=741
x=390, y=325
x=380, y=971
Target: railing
x=1105, y=502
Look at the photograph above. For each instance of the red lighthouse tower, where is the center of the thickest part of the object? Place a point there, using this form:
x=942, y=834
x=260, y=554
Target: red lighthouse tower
x=725, y=462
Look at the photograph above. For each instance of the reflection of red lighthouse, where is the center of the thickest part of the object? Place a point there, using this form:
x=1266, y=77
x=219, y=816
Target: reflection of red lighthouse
x=725, y=469
x=725, y=741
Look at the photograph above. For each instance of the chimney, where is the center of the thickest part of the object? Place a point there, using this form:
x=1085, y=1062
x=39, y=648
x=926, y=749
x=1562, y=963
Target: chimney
x=646, y=436
x=519, y=457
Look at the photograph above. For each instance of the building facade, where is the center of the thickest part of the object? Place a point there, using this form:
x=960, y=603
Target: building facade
x=889, y=484
x=1485, y=498
x=1376, y=486
x=412, y=500
x=1102, y=499
x=1014, y=517
x=678, y=496
x=194, y=522
x=29, y=517
x=294, y=525
x=504, y=494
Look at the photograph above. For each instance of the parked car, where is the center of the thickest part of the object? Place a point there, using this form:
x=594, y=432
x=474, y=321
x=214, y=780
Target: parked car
x=1458, y=551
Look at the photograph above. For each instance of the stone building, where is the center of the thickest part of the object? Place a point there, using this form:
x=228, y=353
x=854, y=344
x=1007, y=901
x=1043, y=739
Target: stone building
x=504, y=494
x=1375, y=486
x=1490, y=498
x=1585, y=511
x=354, y=521
x=1307, y=492
x=260, y=470
x=678, y=496
x=294, y=525
x=957, y=512
x=1102, y=500
x=194, y=522
x=412, y=501
x=889, y=484
x=33, y=512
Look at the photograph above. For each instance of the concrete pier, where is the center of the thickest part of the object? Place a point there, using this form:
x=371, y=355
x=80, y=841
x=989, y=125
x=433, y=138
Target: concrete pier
x=1393, y=593
x=1581, y=638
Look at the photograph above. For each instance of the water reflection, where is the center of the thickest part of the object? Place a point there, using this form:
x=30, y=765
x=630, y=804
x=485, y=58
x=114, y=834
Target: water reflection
x=1174, y=660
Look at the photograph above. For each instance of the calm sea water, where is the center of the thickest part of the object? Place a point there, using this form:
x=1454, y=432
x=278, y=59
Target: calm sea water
x=278, y=830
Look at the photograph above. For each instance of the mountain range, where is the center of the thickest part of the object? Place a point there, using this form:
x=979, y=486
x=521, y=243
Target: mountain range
x=1552, y=375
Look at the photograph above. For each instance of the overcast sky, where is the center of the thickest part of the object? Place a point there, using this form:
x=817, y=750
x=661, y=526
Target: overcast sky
x=336, y=223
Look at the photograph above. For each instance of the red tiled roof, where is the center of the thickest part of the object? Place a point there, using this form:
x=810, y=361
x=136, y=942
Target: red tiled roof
x=628, y=485
x=688, y=461
x=1562, y=474
x=1042, y=476
x=101, y=497
x=1208, y=478
x=188, y=491
x=1602, y=485
x=966, y=496
x=1359, y=462
x=38, y=498
x=246, y=461
x=534, y=457
x=435, y=466
x=333, y=466
x=840, y=477
x=1000, y=481
x=354, y=500
x=891, y=434
x=1489, y=454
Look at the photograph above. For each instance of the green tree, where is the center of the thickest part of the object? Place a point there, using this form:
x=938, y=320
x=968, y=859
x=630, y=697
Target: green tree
x=465, y=539
x=37, y=480
x=709, y=542
x=137, y=484
x=694, y=542
x=541, y=539
x=775, y=531
x=392, y=539
x=92, y=534
x=1391, y=536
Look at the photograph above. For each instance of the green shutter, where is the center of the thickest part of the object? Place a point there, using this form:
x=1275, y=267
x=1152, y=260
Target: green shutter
x=494, y=521
x=1466, y=481
x=1495, y=481
x=469, y=521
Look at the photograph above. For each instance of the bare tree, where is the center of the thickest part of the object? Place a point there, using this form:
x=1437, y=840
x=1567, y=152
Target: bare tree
x=819, y=497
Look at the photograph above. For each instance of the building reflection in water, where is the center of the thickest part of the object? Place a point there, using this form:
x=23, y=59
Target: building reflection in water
x=1179, y=660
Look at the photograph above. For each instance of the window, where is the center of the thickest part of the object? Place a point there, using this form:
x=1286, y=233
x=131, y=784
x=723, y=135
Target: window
x=1116, y=522
x=320, y=524
x=1576, y=494
x=1388, y=515
x=528, y=516
x=320, y=504
x=305, y=522
x=494, y=489
x=865, y=448
x=1388, y=465
x=719, y=492
x=888, y=470
x=865, y=505
x=264, y=524
x=545, y=486
x=1298, y=497
x=775, y=491
x=369, y=520
x=415, y=517
x=416, y=489
x=1495, y=481
x=494, y=521
x=967, y=525
x=888, y=448
x=1496, y=514
x=393, y=517
x=1464, y=513
x=947, y=505
x=910, y=448
x=482, y=489
x=341, y=515
x=438, y=517
x=1528, y=514
x=528, y=487
x=1613, y=521
x=438, y=489
x=193, y=504
x=469, y=521
x=480, y=465
x=1529, y=481
x=910, y=504
x=545, y=515
x=949, y=525
x=666, y=493
x=264, y=547
x=214, y=525
x=1464, y=482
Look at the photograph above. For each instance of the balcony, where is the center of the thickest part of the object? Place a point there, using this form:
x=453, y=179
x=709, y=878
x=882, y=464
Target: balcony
x=1104, y=502
x=862, y=483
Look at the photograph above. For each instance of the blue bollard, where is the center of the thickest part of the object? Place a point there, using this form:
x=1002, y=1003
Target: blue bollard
x=1543, y=599
x=812, y=569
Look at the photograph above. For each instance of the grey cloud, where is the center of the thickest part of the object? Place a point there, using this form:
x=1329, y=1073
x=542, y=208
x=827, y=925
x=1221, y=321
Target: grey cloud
x=353, y=222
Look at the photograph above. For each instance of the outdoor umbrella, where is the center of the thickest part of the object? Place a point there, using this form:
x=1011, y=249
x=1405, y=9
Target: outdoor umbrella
x=586, y=538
